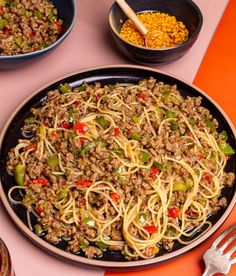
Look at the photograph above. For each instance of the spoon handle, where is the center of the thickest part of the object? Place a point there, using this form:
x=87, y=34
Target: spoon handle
x=131, y=15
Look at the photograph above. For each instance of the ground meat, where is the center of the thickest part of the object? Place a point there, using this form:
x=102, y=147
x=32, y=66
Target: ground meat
x=91, y=251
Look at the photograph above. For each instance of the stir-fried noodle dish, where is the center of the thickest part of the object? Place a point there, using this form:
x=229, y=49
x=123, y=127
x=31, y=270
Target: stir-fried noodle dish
x=126, y=167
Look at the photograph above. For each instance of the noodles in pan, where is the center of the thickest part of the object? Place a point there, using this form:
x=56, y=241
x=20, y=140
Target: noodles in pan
x=124, y=167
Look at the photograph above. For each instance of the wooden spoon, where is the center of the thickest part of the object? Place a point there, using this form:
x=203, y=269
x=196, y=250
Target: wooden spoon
x=148, y=35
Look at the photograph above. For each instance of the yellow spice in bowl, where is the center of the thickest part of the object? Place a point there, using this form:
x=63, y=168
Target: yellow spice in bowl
x=171, y=32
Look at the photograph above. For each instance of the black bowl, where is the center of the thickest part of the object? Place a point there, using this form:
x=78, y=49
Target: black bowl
x=67, y=12
x=184, y=10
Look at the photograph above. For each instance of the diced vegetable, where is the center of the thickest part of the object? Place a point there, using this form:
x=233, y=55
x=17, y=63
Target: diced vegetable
x=71, y=117
x=144, y=156
x=224, y=135
x=135, y=136
x=170, y=114
x=115, y=196
x=142, y=218
x=154, y=172
x=19, y=174
x=38, y=14
x=53, y=161
x=207, y=177
x=101, y=245
x=135, y=119
x=179, y=187
x=62, y=194
x=118, y=151
x=83, y=201
x=158, y=165
x=89, y=221
x=18, y=41
x=226, y=148
x=87, y=149
x=38, y=210
x=102, y=121
x=210, y=124
x=189, y=183
x=59, y=26
x=42, y=130
x=80, y=127
x=32, y=147
x=81, y=88
x=13, y=4
x=166, y=95
x=142, y=95
x=66, y=125
x=173, y=212
x=65, y=88
x=116, y=131
x=121, y=178
x=41, y=181
x=150, y=229
x=84, y=183
x=174, y=126
x=3, y=22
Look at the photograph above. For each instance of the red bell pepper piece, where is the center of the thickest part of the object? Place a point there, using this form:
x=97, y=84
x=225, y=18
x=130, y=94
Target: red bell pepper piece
x=41, y=181
x=83, y=201
x=66, y=125
x=76, y=102
x=59, y=27
x=116, y=131
x=32, y=35
x=115, y=196
x=150, y=229
x=207, y=177
x=154, y=172
x=38, y=210
x=30, y=147
x=142, y=95
x=80, y=128
x=173, y=212
x=85, y=183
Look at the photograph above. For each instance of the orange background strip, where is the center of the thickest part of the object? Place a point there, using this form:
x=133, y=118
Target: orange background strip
x=216, y=76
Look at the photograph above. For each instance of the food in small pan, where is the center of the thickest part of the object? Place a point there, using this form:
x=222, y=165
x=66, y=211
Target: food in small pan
x=171, y=32
x=126, y=167
x=27, y=26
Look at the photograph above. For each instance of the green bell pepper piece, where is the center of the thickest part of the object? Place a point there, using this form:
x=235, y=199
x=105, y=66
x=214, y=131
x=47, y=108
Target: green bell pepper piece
x=226, y=148
x=179, y=187
x=101, y=245
x=102, y=121
x=53, y=161
x=144, y=156
x=3, y=22
x=170, y=114
x=65, y=88
x=135, y=136
x=19, y=174
x=210, y=124
x=142, y=218
x=62, y=194
x=135, y=119
x=89, y=221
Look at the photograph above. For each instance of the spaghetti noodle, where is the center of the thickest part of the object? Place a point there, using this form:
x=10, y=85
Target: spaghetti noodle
x=127, y=167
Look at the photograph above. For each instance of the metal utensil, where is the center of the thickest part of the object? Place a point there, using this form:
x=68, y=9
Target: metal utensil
x=149, y=36
x=216, y=260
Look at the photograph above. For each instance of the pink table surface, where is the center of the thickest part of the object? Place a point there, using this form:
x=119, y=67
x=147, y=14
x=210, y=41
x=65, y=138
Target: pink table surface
x=89, y=44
